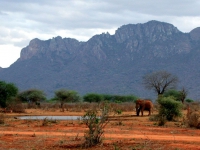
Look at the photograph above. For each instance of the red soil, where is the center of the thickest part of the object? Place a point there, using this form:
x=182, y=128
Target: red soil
x=125, y=132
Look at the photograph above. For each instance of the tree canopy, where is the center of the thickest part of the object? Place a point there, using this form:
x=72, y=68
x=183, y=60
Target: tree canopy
x=64, y=95
x=7, y=91
x=178, y=95
x=32, y=96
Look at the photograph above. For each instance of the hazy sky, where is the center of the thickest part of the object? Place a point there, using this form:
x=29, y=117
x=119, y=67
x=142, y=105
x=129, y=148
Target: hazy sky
x=23, y=20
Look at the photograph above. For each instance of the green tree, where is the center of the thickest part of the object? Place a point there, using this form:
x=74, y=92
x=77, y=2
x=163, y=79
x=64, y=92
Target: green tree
x=64, y=95
x=32, y=96
x=189, y=100
x=7, y=91
x=93, y=97
x=178, y=95
x=160, y=81
x=172, y=93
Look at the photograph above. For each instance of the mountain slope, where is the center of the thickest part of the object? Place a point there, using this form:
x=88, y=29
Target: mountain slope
x=108, y=63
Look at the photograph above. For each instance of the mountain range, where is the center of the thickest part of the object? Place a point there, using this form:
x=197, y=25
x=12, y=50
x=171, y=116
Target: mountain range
x=110, y=64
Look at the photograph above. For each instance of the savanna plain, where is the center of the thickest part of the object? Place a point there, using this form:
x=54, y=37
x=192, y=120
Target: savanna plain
x=124, y=131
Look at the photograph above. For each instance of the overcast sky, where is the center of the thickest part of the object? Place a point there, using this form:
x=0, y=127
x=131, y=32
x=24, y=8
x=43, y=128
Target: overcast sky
x=23, y=20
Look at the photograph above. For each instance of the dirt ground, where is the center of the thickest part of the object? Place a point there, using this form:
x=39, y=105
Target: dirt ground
x=123, y=132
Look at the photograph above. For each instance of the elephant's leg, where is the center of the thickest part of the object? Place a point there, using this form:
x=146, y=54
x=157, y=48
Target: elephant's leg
x=138, y=111
x=149, y=112
x=142, y=110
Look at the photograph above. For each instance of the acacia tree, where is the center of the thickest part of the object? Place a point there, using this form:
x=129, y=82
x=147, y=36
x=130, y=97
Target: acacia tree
x=32, y=96
x=7, y=91
x=64, y=95
x=160, y=81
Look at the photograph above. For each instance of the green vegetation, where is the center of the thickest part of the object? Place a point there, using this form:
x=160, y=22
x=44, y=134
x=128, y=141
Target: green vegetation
x=93, y=97
x=32, y=96
x=7, y=91
x=64, y=95
x=120, y=98
x=178, y=95
x=189, y=100
x=169, y=109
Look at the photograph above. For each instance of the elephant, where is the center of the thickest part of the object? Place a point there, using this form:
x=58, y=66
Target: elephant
x=142, y=105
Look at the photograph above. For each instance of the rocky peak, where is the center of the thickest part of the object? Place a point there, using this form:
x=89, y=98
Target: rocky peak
x=195, y=34
x=153, y=30
x=56, y=44
x=31, y=49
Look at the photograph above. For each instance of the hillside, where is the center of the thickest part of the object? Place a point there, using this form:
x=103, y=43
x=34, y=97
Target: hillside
x=108, y=63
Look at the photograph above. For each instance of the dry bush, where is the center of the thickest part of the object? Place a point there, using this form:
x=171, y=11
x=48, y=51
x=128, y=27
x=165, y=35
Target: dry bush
x=18, y=108
x=195, y=106
x=194, y=119
x=2, y=119
x=95, y=125
x=124, y=107
x=46, y=121
x=193, y=115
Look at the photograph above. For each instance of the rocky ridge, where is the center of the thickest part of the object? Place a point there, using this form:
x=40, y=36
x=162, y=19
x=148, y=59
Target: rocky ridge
x=108, y=63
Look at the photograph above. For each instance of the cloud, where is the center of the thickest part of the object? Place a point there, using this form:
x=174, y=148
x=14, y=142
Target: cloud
x=8, y=55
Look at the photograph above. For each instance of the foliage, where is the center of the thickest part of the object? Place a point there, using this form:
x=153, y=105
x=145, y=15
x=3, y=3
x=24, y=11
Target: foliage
x=120, y=98
x=173, y=93
x=169, y=108
x=96, y=125
x=32, y=96
x=93, y=97
x=189, y=100
x=178, y=95
x=64, y=95
x=7, y=90
x=160, y=81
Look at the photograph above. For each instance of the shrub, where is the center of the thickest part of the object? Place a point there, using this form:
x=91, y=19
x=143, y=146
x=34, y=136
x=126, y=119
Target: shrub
x=16, y=105
x=194, y=119
x=95, y=125
x=169, y=108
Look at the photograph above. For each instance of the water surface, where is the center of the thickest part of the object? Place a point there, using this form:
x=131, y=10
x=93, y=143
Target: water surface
x=50, y=117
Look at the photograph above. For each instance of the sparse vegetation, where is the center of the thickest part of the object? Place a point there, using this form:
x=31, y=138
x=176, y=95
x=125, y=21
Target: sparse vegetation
x=95, y=124
x=97, y=108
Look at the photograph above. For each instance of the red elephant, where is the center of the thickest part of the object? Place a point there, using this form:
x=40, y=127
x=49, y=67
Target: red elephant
x=142, y=105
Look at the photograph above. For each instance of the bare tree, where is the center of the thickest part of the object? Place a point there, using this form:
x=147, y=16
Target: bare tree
x=183, y=94
x=160, y=81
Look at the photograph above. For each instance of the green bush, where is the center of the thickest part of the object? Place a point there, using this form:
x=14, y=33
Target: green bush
x=119, y=98
x=189, y=100
x=169, y=108
x=93, y=97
